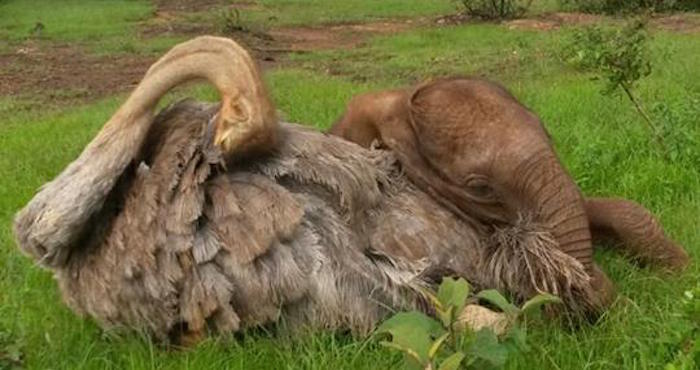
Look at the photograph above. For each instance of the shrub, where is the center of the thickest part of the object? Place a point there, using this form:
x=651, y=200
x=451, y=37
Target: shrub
x=495, y=9
x=441, y=343
x=621, y=58
x=230, y=21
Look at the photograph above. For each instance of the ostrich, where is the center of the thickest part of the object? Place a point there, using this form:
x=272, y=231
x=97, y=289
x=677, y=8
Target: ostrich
x=217, y=217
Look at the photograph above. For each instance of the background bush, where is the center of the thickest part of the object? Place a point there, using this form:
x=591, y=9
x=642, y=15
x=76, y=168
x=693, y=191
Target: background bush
x=495, y=9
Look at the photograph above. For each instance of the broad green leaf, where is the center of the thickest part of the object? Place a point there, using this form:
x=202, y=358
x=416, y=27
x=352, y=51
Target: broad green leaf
x=487, y=348
x=433, y=299
x=494, y=297
x=538, y=301
x=453, y=292
x=452, y=362
x=410, y=363
x=446, y=316
x=437, y=344
x=412, y=331
x=517, y=336
x=409, y=352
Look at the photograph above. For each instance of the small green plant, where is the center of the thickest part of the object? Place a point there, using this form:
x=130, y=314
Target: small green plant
x=621, y=58
x=495, y=9
x=441, y=343
x=688, y=356
x=231, y=22
x=11, y=356
x=677, y=119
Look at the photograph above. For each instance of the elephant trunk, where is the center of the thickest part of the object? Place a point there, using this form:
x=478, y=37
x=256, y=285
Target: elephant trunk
x=557, y=203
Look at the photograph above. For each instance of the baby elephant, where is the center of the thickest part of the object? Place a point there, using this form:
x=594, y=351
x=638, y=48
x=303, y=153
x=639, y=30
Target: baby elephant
x=479, y=152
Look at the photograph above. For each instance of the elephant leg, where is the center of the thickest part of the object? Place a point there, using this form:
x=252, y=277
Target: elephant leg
x=632, y=229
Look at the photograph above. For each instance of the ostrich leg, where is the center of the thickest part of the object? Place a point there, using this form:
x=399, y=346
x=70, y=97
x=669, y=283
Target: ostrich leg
x=632, y=229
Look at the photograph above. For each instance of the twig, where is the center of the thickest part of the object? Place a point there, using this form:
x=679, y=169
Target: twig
x=657, y=135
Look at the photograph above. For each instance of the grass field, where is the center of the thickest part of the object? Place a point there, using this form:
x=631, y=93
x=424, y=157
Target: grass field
x=71, y=20
x=310, y=12
x=601, y=139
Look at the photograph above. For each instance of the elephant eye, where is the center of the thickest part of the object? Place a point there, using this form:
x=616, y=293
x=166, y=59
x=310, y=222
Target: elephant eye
x=479, y=187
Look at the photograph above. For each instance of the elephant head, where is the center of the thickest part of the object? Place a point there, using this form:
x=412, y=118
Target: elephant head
x=470, y=144
x=496, y=161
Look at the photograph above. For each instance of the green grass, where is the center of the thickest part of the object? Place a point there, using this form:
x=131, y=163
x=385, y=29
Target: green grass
x=601, y=140
x=544, y=6
x=102, y=26
x=314, y=12
x=71, y=20
x=486, y=49
x=111, y=26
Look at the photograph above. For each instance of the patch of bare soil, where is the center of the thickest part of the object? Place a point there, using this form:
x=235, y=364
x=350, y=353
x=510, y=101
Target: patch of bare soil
x=63, y=73
x=545, y=22
x=337, y=36
x=552, y=21
x=270, y=47
x=268, y=51
x=453, y=19
x=60, y=73
x=170, y=18
x=191, y=5
x=681, y=22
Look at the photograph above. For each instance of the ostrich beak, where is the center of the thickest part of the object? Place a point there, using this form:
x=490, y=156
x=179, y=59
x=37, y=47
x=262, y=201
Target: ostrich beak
x=233, y=125
x=238, y=127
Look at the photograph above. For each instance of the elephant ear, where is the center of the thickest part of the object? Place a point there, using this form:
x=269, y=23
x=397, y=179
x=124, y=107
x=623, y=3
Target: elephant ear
x=398, y=135
x=450, y=114
x=436, y=115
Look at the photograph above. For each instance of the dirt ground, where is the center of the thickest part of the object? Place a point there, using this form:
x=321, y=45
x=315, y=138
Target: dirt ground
x=682, y=23
x=187, y=5
x=552, y=21
x=337, y=37
x=62, y=73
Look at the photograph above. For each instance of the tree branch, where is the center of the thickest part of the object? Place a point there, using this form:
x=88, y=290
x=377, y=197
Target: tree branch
x=655, y=132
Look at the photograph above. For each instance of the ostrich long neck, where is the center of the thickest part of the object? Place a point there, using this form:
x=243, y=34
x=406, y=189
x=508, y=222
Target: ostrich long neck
x=53, y=219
